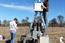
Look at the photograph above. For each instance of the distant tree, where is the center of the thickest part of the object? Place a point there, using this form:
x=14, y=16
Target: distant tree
x=25, y=21
x=64, y=23
x=53, y=22
x=5, y=23
x=27, y=18
x=60, y=20
x=0, y=22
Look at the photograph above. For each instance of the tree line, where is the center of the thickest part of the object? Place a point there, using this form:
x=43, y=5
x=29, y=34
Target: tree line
x=59, y=21
x=24, y=22
x=55, y=22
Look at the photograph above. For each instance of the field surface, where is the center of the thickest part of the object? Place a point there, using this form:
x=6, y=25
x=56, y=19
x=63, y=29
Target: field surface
x=54, y=33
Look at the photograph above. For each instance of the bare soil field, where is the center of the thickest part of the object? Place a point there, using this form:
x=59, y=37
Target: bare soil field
x=54, y=33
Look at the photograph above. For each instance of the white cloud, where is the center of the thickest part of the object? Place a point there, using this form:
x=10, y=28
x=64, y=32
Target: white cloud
x=16, y=6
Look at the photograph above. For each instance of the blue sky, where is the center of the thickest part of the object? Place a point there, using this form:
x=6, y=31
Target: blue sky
x=20, y=9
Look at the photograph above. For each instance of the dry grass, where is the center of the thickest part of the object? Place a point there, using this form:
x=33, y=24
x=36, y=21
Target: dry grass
x=54, y=33
x=20, y=31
